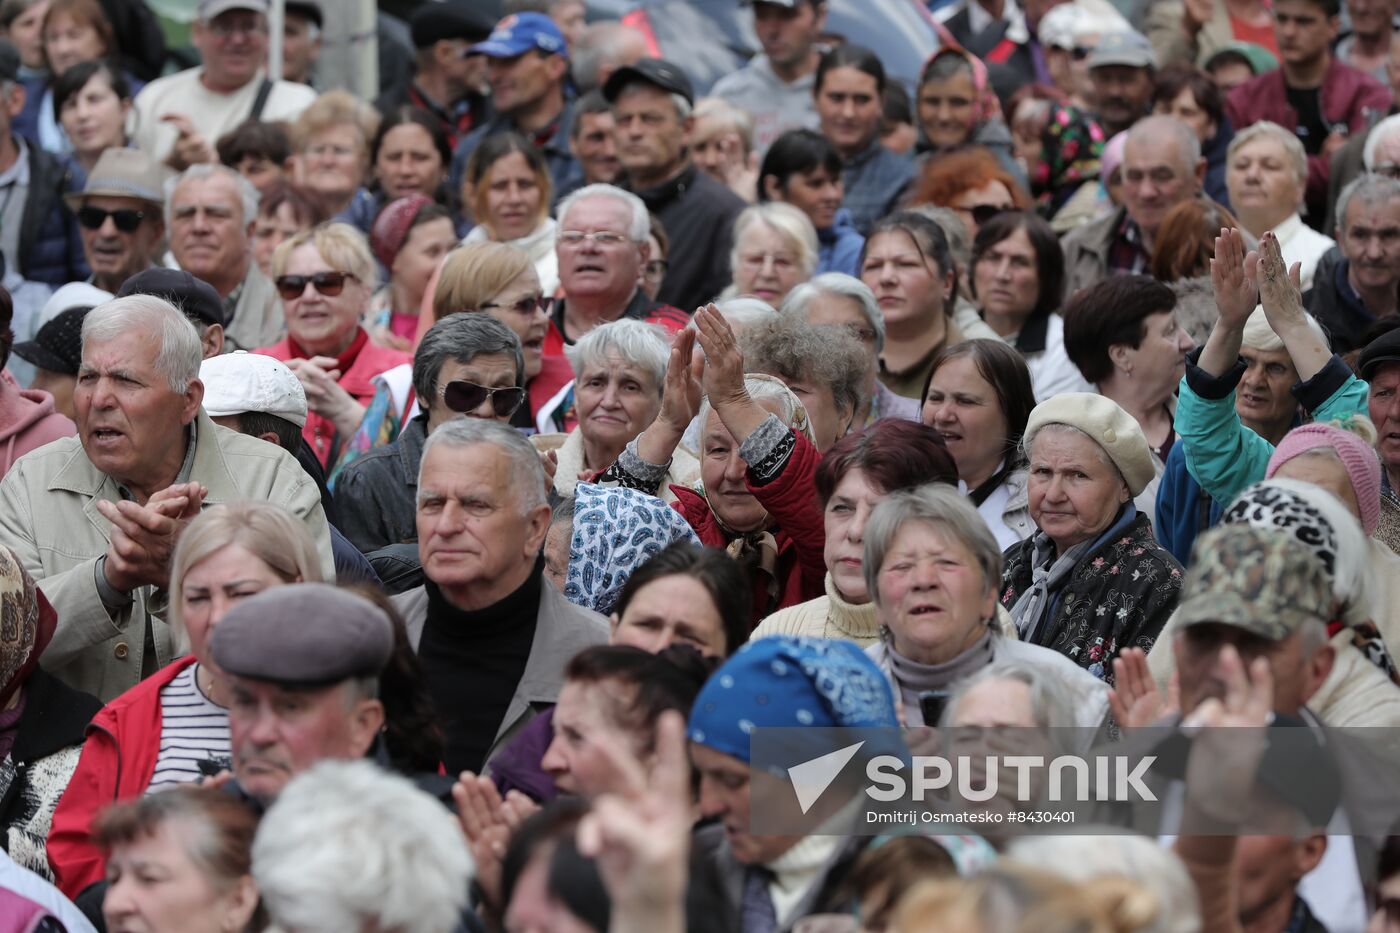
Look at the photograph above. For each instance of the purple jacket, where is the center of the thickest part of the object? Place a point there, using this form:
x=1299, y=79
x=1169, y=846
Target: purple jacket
x=517, y=766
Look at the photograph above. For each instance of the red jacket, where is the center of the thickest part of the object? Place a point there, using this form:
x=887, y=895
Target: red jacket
x=791, y=501
x=357, y=380
x=1348, y=96
x=117, y=762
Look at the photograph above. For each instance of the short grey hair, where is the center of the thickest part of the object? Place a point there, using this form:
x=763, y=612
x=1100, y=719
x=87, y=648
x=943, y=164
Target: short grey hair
x=1053, y=698
x=787, y=221
x=601, y=44
x=351, y=846
x=1390, y=125
x=944, y=508
x=526, y=471
x=745, y=310
x=1187, y=144
x=180, y=351
x=462, y=337
x=684, y=108
x=760, y=390
x=634, y=342
x=1373, y=191
x=1290, y=143
x=637, y=230
x=795, y=351
x=736, y=120
x=838, y=285
x=248, y=195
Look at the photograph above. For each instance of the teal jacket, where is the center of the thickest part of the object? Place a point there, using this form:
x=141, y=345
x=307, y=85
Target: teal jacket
x=1222, y=454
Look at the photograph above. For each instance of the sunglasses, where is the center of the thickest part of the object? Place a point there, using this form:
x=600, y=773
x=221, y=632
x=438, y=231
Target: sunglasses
x=126, y=219
x=466, y=397
x=525, y=307
x=329, y=284
x=982, y=213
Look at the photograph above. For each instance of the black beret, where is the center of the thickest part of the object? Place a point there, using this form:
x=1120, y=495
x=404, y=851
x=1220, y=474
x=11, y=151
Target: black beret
x=1384, y=349
x=303, y=634
x=195, y=298
x=455, y=19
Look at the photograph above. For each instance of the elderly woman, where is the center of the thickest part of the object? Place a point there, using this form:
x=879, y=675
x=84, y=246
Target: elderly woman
x=972, y=183
x=979, y=399
x=775, y=248
x=198, y=842
x=957, y=108
x=803, y=169
x=757, y=463
x=331, y=140
x=909, y=267
x=826, y=369
x=853, y=478
x=838, y=300
x=409, y=238
x=161, y=731
x=933, y=570
x=1266, y=171
x=1092, y=548
x=507, y=188
x=42, y=721
x=325, y=277
x=619, y=373
x=91, y=102
x=1123, y=335
x=1016, y=277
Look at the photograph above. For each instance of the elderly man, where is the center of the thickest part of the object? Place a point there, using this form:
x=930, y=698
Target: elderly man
x=447, y=81
x=1350, y=160
x=1379, y=365
x=492, y=633
x=1162, y=167
x=652, y=103
x=1357, y=282
x=193, y=297
x=528, y=67
x=303, y=663
x=119, y=216
x=179, y=117
x=95, y=519
x=1121, y=68
x=210, y=211
x=467, y=364
x=776, y=86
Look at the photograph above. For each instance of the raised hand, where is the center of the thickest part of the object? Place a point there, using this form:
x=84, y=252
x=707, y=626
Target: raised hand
x=681, y=393
x=190, y=146
x=1135, y=699
x=324, y=394
x=488, y=822
x=1236, y=294
x=1280, y=288
x=1225, y=755
x=724, y=361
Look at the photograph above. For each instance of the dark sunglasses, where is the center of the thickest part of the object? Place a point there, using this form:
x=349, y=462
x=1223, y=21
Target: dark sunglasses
x=466, y=397
x=329, y=284
x=525, y=307
x=126, y=219
x=983, y=213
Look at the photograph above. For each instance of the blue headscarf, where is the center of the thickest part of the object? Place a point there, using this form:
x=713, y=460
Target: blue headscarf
x=790, y=681
x=616, y=530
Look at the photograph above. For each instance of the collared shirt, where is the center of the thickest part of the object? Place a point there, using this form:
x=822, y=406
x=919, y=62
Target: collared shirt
x=14, y=192
x=1126, y=254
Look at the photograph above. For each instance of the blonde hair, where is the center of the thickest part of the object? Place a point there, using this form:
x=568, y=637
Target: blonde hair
x=342, y=247
x=1015, y=898
x=474, y=274
x=270, y=533
x=333, y=109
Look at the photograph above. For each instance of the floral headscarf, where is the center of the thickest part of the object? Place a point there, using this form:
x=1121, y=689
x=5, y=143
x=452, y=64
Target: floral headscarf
x=1071, y=147
x=616, y=530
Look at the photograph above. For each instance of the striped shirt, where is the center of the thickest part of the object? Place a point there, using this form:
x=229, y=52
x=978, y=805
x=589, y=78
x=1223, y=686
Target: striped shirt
x=193, y=729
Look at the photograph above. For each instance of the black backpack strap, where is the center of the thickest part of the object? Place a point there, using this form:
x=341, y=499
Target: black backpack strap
x=264, y=92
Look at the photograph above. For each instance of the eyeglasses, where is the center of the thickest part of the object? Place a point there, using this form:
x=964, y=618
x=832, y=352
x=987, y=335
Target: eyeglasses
x=466, y=397
x=230, y=27
x=600, y=238
x=525, y=307
x=329, y=284
x=126, y=219
x=983, y=213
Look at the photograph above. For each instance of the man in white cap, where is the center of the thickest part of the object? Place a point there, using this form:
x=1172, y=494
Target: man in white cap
x=179, y=117
x=120, y=216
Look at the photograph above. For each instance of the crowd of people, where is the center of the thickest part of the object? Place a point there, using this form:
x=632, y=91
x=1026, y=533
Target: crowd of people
x=411, y=507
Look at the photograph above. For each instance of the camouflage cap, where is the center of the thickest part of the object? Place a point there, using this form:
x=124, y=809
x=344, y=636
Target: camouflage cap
x=1260, y=580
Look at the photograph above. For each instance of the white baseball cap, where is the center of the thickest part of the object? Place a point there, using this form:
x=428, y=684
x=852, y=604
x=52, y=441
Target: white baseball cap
x=241, y=381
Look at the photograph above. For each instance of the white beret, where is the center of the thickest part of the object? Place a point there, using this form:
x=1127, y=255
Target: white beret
x=1112, y=428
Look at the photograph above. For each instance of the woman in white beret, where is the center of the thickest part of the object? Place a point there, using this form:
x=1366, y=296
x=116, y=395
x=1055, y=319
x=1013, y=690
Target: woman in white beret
x=1092, y=580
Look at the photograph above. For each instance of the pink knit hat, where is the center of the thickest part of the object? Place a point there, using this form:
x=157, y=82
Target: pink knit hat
x=390, y=230
x=1357, y=456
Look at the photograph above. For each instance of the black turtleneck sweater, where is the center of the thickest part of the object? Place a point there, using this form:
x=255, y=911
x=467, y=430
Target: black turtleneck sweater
x=473, y=661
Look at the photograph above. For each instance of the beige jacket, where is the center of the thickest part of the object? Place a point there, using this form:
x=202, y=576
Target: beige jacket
x=257, y=315
x=1170, y=42
x=49, y=518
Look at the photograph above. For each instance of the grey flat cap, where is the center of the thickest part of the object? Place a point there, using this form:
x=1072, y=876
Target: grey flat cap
x=303, y=634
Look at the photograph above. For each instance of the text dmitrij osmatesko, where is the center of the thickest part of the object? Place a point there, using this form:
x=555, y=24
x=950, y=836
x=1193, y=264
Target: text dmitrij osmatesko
x=977, y=778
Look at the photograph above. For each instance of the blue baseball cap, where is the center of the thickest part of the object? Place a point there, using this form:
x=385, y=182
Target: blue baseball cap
x=519, y=33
